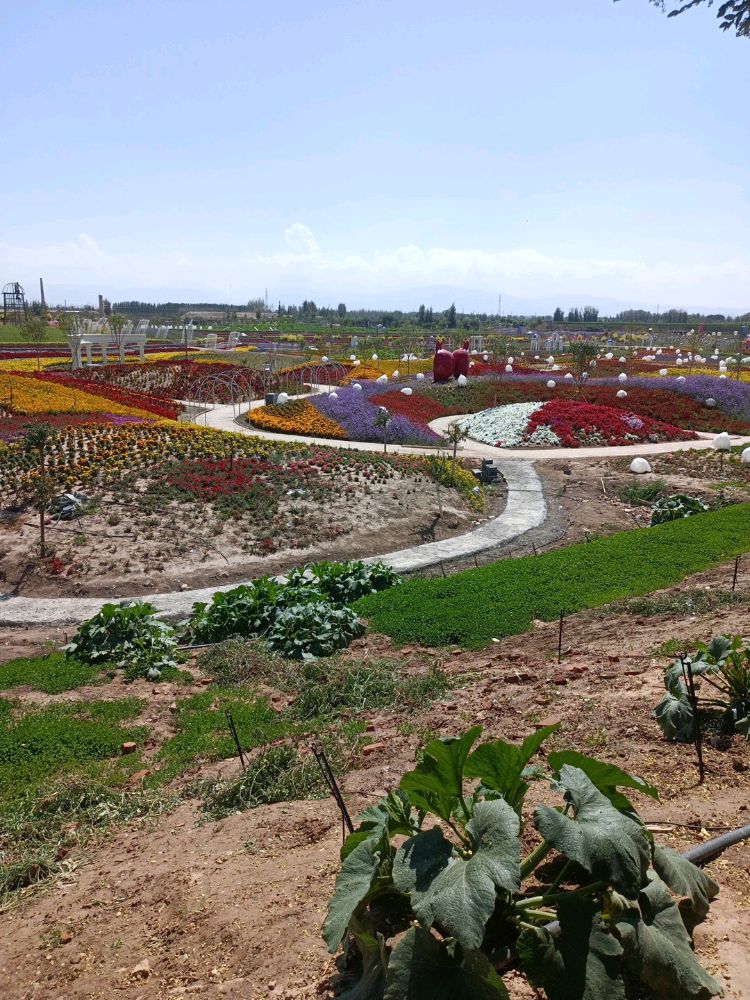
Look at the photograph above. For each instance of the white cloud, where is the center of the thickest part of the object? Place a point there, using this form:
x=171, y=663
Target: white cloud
x=302, y=268
x=301, y=239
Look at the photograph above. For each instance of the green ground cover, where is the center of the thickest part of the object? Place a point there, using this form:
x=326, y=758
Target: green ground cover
x=471, y=608
x=82, y=738
x=51, y=674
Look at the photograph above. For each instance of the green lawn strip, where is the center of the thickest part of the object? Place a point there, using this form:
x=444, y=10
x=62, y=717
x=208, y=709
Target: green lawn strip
x=51, y=674
x=471, y=608
x=77, y=738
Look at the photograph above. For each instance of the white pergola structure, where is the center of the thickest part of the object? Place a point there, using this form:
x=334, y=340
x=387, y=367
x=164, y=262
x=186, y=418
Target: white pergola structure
x=105, y=341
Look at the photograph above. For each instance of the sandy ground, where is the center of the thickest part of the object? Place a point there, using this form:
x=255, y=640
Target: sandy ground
x=122, y=550
x=234, y=908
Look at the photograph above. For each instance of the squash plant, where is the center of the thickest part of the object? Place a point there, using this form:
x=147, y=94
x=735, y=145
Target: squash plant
x=724, y=667
x=434, y=895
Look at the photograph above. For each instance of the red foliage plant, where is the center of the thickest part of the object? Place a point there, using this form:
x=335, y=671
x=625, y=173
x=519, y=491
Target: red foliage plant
x=577, y=423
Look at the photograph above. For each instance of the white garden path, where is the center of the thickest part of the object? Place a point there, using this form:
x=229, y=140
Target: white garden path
x=525, y=509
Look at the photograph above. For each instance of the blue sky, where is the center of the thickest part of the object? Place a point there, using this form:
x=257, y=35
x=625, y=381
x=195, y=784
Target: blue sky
x=378, y=154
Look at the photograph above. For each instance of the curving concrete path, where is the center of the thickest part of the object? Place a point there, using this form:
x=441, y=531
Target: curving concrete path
x=525, y=509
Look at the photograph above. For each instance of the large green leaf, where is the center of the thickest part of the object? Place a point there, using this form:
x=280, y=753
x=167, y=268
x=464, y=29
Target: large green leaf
x=604, y=841
x=674, y=713
x=354, y=881
x=658, y=949
x=693, y=886
x=436, y=783
x=607, y=777
x=500, y=765
x=582, y=963
x=393, y=813
x=457, y=895
x=423, y=968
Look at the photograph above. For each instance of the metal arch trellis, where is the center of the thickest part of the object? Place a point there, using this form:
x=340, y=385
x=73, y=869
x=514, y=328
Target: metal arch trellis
x=238, y=385
x=328, y=374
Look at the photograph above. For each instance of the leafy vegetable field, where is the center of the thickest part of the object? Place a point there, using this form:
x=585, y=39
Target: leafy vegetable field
x=472, y=608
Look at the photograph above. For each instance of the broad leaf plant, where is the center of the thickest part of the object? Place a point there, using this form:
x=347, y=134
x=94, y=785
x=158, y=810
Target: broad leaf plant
x=436, y=896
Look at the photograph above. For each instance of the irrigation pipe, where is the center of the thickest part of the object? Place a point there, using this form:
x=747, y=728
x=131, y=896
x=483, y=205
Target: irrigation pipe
x=699, y=855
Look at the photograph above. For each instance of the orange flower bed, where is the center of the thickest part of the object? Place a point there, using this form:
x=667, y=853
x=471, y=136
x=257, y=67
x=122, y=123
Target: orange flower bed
x=296, y=417
x=360, y=373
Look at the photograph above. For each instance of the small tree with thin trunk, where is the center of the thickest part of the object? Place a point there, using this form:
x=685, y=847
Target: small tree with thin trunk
x=454, y=435
x=382, y=420
x=34, y=330
x=117, y=331
x=38, y=441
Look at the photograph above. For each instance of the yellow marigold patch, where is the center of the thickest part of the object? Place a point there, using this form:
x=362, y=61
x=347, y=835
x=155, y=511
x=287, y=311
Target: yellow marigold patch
x=296, y=417
x=30, y=397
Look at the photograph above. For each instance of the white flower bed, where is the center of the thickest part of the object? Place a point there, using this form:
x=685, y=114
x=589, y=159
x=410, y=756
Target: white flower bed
x=504, y=426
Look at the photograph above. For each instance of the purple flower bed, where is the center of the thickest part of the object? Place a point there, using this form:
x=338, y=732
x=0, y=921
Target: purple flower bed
x=731, y=397
x=353, y=411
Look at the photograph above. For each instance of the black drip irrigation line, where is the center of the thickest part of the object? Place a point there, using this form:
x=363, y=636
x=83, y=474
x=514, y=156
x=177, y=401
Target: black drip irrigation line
x=699, y=855
x=330, y=779
x=235, y=737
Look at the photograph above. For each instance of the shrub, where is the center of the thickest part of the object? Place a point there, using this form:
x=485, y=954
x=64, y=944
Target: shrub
x=675, y=507
x=128, y=634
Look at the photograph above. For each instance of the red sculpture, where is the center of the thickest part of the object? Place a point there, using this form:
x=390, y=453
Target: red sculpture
x=442, y=365
x=461, y=360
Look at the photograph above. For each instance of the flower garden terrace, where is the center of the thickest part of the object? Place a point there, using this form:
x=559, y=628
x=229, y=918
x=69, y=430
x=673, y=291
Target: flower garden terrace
x=164, y=504
x=560, y=410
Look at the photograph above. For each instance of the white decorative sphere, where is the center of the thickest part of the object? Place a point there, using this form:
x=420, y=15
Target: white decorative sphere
x=659, y=351
x=374, y=357
x=283, y=397
x=352, y=357
x=640, y=466
x=462, y=380
x=485, y=357
x=568, y=375
x=511, y=360
x=407, y=391
x=396, y=374
x=333, y=395
x=536, y=357
x=680, y=378
x=622, y=377
x=555, y=368
x=324, y=358
x=745, y=456
x=509, y=368
x=550, y=359
x=471, y=364
x=622, y=361
x=357, y=386
x=679, y=362
x=621, y=394
x=420, y=377
x=711, y=403
x=551, y=384
x=663, y=371
x=609, y=355
x=383, y=378
x=722, y=376
x=722, y=442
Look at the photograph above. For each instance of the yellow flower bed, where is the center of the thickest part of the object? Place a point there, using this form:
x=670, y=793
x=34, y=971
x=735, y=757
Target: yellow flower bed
x=296, y=417
x=389, y=366
x=360, y=373
x=29, y=397
x=29, y=364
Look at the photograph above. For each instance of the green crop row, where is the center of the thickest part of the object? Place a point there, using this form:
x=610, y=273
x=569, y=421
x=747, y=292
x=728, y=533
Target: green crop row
x=471, y=608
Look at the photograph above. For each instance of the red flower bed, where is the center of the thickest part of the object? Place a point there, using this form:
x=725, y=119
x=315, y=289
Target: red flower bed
x=13, y=427
x=498, y=368
x=420, y=409
x=126, y=397
x=669, y=407
x=579, y=424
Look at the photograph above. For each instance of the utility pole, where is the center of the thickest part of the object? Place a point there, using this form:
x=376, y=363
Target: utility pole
x=41, y=290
